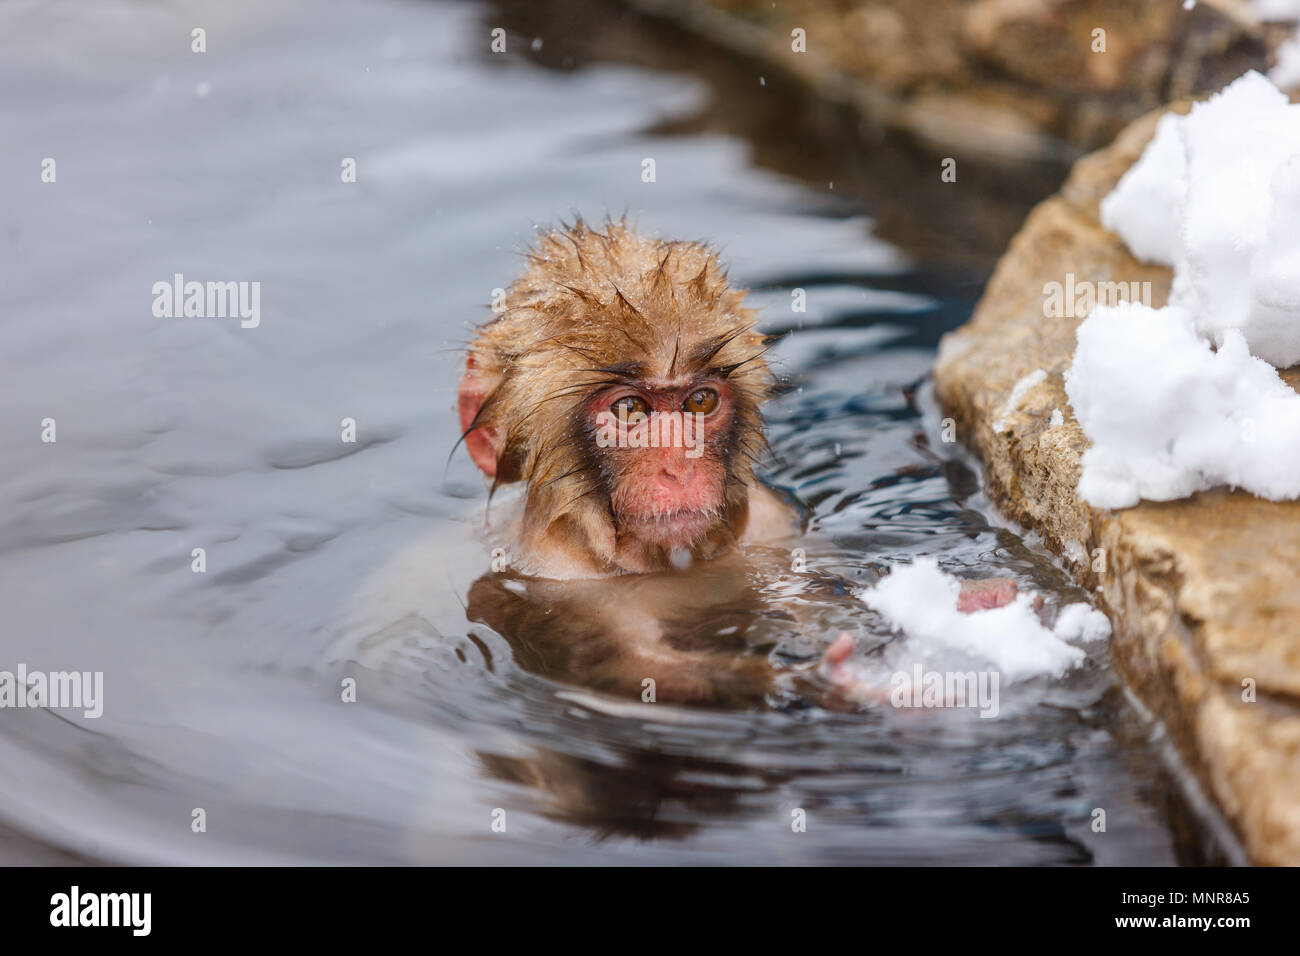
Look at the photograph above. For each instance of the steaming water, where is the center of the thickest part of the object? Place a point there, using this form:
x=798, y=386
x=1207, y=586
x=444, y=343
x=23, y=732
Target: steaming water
x=222, y=689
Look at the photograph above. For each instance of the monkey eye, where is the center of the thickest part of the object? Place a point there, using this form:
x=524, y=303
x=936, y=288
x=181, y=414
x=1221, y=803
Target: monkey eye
x=630, y=405
x=701, y=402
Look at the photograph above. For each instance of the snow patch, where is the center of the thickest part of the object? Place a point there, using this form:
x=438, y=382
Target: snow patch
x=1216, y=196
x=1168, y=416
x=921, y=600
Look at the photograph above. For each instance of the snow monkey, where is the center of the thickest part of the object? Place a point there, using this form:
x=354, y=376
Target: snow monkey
x=622, y=389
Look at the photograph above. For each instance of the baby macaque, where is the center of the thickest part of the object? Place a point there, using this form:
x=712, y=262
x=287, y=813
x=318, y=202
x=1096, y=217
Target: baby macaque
x=622, y=388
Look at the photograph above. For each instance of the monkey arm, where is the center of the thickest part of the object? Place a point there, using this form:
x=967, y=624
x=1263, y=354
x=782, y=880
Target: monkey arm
x=682, y=633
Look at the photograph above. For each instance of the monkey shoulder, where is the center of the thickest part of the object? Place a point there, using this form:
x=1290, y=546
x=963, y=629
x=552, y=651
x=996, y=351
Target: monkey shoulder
x=773, y=516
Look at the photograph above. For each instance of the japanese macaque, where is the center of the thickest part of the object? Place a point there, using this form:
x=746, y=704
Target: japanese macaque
x=622, y=388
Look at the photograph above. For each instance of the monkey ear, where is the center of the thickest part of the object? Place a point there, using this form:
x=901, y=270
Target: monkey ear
x=484, y=443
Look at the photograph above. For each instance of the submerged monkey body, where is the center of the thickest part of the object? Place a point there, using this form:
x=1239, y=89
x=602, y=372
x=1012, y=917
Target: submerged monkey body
x=605, y=335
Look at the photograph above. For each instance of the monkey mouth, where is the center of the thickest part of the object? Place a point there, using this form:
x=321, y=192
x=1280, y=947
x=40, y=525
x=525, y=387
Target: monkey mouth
x=670, y=529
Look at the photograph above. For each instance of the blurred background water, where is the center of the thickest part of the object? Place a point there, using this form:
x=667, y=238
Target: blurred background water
x=222, y=689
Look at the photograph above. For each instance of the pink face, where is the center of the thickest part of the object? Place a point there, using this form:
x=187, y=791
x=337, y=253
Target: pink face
x=661, y=446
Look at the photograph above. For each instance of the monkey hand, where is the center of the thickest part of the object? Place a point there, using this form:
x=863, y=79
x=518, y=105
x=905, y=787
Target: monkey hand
x=836, y=668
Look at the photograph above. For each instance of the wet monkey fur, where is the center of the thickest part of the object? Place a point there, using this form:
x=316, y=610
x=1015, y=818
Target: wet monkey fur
x=611, y=334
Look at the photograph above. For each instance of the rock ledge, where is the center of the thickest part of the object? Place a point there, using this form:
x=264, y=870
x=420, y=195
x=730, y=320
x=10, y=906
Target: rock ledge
x=1203, y=593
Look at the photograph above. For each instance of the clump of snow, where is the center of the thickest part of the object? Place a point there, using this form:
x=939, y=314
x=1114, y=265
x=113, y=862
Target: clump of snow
x=1146, y=205
x=1286, y=70
x=1216, y=196
x=921, y=600
x=1057, y=418
x=1081, y=622
x=1168, y=416
x=1018, y=393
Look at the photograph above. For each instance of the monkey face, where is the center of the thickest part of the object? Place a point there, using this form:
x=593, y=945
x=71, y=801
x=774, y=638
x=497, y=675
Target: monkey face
x=663, y=452
x=622, y=386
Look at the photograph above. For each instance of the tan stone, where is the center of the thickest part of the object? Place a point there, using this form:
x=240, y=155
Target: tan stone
x=1007, y=79
x=1203, y=593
